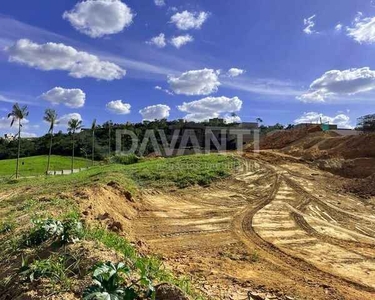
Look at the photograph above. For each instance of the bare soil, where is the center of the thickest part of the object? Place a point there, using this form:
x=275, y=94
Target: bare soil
x=279, y=228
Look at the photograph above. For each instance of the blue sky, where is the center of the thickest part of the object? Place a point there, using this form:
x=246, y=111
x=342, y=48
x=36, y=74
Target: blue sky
x=284, y=61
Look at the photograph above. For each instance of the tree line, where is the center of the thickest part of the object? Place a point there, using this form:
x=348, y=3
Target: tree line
x=95, y=142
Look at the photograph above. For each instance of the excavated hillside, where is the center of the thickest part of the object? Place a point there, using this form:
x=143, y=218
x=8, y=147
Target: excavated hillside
x=352, y=156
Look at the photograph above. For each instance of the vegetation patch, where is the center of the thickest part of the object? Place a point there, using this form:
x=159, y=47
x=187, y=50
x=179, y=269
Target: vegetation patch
x=183, y=171
x=36, y=165
x=65, y=252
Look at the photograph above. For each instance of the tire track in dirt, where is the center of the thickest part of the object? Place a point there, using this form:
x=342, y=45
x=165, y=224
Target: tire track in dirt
x=210, y=233
x=301, y=268
x=247, y=221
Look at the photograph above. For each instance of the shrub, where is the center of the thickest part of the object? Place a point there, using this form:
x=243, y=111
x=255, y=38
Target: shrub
x=67, y=231
x=125, y=159
x=109, y=284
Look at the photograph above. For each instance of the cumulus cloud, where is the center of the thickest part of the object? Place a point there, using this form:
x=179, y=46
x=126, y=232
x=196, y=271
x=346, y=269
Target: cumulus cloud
x=234, y=72
x=63, y=120
x=229, y=119
x=73, y=98
x=52, y=56
x=5, y=123
x=155, y=112
x=97, y=18
x=342, y=120
x=118, y=107
x=159, y=2
x=158, y=41
x=310, y=24
x=6, y=129
x=210, y=107
x=189, y=20
x=362, y=30
x=179, y=41
x=195, y=82
x=340, y=83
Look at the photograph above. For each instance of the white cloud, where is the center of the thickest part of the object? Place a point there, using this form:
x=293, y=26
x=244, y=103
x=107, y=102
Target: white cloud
x=229, y=119
x=210, y=107
x=118, y=107
x=159, y=2
x=4, y=123
x=155, y=112
x=158, y=41
x=338, y=27
x=52, y=56
x=179, y=41
x=195, y=82
x=189, y=20
x=342, y=120
x=6, y=129
x=340, y=83
x=363, y=30
x=63, y=120
x=310, y=24
x=159, y=88
x=234, y=72
x=73, y=98
x=97, y=18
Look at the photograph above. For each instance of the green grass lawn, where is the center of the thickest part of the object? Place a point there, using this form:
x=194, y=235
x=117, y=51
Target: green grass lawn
x=36, y=165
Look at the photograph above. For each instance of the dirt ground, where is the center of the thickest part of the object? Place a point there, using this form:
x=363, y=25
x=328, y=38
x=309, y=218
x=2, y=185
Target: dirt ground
x=279, y=229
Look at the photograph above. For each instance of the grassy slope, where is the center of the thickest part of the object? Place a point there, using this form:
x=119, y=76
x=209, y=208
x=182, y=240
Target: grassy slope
x=36, y=165
x=18, y=209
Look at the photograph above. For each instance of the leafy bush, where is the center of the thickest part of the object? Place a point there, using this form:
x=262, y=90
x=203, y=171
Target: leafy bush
x=108, y=283
x=125, y=159
x=44, y=230
x=68, y=231
x=118, y=282
x=73, y=231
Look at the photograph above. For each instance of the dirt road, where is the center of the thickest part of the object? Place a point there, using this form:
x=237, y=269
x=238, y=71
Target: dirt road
x=277, y=228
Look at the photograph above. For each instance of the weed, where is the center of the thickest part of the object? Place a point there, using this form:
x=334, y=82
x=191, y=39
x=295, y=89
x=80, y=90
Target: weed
x=112, y=241
x=6, y=227
x=254, y=256
x=52, y=268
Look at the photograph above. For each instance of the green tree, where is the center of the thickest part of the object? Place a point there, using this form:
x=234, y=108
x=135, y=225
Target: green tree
x=50, y=116
x=18, y=114
x=74, y=125
x=93, y=126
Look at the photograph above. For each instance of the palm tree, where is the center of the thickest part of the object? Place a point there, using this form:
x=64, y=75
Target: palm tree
x=93, y=125
x=109, y=137
x=18, y=114
x=50, y=116
x=73, y=126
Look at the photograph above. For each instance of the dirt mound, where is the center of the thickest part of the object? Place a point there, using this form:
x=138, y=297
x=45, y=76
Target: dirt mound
x=362, y=187
x=109, y=204
x=350, y=168
x=167, y=291
x=330, y=145
x=281, y=139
